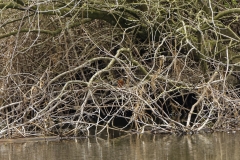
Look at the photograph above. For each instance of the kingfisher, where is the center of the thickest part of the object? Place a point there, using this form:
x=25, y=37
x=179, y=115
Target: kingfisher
x=120, y=82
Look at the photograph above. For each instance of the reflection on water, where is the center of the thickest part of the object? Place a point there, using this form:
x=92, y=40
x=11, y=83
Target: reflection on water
x=216, y=146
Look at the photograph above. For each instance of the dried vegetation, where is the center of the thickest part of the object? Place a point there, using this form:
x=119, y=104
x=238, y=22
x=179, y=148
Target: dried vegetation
x=180, y=77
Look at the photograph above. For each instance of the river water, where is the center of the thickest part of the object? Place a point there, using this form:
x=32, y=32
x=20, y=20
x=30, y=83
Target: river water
x=211, y=146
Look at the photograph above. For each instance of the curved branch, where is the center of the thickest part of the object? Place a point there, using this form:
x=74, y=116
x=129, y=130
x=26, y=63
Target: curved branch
x=49, y=32
x=226, y=13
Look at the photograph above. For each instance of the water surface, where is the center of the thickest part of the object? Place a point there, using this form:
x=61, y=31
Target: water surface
x=215, y=146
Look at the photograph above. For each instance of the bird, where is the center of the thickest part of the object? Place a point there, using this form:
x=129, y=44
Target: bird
x=120, y=82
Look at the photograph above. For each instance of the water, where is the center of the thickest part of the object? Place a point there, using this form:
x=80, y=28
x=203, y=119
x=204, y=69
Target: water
x=215, y=146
